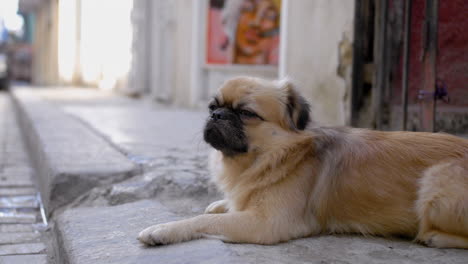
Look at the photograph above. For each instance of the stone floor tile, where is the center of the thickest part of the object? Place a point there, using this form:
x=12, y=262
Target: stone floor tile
x=25, y=201
x=24, y=259
x=22, y=249
x=17, y=228
x=12, y=216
x=17, y=191
x=18, y=182
x=18, y=238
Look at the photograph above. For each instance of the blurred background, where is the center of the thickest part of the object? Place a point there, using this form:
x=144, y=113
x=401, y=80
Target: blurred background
x=389, y=64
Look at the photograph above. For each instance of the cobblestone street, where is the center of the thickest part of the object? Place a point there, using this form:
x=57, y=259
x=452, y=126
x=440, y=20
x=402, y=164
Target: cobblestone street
x=20, y=218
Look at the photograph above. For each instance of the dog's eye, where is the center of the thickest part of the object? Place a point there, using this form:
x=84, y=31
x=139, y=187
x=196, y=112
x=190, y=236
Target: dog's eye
x=247, y=113
x=212, y=107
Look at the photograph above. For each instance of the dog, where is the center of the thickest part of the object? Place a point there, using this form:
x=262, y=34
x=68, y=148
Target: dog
x=285, y=178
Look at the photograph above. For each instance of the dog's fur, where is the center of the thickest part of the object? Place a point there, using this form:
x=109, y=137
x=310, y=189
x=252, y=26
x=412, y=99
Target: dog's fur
x=283, y=181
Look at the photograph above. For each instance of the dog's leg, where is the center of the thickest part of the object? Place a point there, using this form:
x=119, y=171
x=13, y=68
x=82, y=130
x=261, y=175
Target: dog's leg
x=443, y=240
x=239, y=227
x=443, y=205
x=218, y=207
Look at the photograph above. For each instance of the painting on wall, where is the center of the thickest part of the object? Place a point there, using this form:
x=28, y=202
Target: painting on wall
x=243, y=32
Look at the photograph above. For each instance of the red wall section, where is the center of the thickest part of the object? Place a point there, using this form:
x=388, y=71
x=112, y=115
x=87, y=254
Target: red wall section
x=452, y=65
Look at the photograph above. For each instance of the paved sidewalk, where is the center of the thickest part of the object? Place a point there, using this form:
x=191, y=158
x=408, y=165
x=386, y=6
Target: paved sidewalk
x=20, y=220
x=99, y=224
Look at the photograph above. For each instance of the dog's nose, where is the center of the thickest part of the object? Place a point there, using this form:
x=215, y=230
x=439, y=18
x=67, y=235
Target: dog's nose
x=219, y=114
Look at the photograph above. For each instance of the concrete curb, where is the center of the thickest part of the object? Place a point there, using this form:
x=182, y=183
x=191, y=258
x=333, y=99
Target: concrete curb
x=108, y=235
x=68, y=160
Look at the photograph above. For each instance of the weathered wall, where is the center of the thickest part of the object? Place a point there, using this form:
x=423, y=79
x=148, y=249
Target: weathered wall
x=183, y=44
x=45, y=49
x=318, y=41
x=315, y=30
x=169, y=54
x=162, y=39
x=452, y=65
x=139, y=76
x=216, y=76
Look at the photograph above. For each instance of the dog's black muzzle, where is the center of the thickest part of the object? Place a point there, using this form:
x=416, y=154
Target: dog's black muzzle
x=224, y=131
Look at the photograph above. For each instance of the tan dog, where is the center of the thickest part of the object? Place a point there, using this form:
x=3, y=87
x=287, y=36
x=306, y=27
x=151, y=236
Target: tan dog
x=284, y=181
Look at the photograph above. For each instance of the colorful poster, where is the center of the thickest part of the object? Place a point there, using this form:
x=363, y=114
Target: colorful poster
x=243, y=32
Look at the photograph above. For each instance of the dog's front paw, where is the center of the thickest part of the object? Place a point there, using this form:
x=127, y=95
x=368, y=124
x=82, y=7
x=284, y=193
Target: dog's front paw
x=157, y=235
x=164, y=234
x=217, y=207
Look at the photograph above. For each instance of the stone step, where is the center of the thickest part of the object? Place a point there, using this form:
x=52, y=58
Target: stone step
x=17, y=228
x=26, y=201
x=8, y=183
x=19, y=238
x=16, y=191
x=15, y=175
x=24, y=259
x=69, y=158
x=22, y=249
x=14, y=216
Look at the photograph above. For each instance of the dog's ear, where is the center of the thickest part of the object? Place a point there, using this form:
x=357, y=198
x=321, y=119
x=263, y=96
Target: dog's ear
x=298, y=109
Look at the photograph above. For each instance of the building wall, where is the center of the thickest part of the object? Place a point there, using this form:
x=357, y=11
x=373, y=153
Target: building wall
x=314, y=32
x=184, y=12
x=162, y=50
x=175, y=54
x=45, y=49
x=318, y=43
x=140, y=73
x=168, y=43
x=79, y=42
x=212, y=76
x=175, y=33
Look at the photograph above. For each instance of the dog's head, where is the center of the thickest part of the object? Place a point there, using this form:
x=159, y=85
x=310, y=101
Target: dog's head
x=248, y=113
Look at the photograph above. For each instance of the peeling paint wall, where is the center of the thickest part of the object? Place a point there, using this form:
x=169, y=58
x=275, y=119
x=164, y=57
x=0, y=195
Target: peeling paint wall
x=317, y=55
